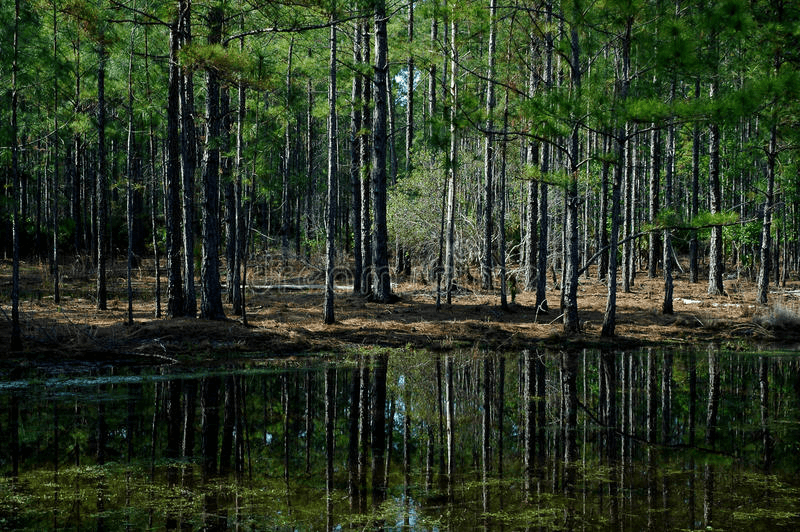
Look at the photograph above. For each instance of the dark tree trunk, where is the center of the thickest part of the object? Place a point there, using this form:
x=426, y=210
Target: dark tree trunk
x=211, y=297
x=531, y=226
x=175, y=296
x=363, y=432
x=766, y=437
x=450, y=421
x=715, y=262
x=355, y=164
x=209, y=422
x=570, y=289
x=56, y=294
x=504, y=284
x=713, y=396
x=287, y=156
x=352, y=430
x=330, y=223
x=379, y=431
x=241, y=223
x=452, y=161
x=602, y=269
x=229, y=420
x=188, y=157
x=101, y=182
x=610, y=315
x=365, y=174
x=383, y=287
x=16, y=332
x=541, y=267
x=695, y=190
x=330, y=411
x=488, y=156
x=529, y=420
x=766, y=235
x=666, y=244
x=129, y=188
x=655, y=184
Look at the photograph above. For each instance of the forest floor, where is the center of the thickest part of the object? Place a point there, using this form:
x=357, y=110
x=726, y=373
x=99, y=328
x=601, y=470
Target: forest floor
x=284, y=317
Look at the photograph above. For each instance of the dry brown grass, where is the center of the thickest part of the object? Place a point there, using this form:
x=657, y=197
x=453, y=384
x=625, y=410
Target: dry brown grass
x=290, y=321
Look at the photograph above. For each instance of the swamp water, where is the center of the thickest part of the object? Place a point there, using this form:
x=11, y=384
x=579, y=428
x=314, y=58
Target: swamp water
x=653, y=439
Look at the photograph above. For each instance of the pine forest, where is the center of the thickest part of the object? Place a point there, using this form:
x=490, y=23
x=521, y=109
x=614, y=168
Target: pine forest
x=525, y=148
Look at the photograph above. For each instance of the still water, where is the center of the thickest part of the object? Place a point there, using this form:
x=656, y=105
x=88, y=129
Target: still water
x=539, y=440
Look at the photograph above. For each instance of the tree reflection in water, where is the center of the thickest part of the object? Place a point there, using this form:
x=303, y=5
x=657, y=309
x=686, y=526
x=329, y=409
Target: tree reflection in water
x=412, y=440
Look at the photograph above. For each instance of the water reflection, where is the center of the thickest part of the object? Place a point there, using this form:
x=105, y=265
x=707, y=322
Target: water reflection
x=651, y=440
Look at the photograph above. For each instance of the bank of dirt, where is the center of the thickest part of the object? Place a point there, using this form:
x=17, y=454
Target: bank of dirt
x=284, y=316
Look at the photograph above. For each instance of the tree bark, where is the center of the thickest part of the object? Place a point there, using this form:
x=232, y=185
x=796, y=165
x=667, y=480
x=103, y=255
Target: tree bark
x=16, y=331
x=101, y=182
x=610, y=315
x=330, y=220
x=365, y=177
x=56, y=280
x=379, y=431
x=715, y=262
x=695, y=188
x=355, y=172
x=571, y=321
x=502, y=222
x=211, y=298
x=666, y=244
x=541, y=267
x=766, y=235
x=488, y=155
x=655, y=184
x=175, y=299
x=128, y=186
x=452, y=161
x=287, y=157
x=188, y=157
x=382, y=284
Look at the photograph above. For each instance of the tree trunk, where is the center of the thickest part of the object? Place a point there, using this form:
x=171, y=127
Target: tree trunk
x=101, y=182
x=379, y=431
x=287, y=157
x=693, y=252
x=488, y=156
x=188, y=157
x=502, y=221
x=56, y=294
x=666, y=245
x=352, y=431
x=175, y=301
x=610, y=315
x=209, y=424
x=128, y=186
x=355, y=172
x=330, y=412
x=715, y=262
x=766, y=235
x=452, y=161
x=541, y=267
x=570, y=289
x=240, y=225
x=450, y=413
x=211, y=298
x=602, y=269
x=366, y=195
x=383, y=287
x=16, y=332
x=655, y=184
x=410, y=94
x=628, y=211
x=330, y=222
